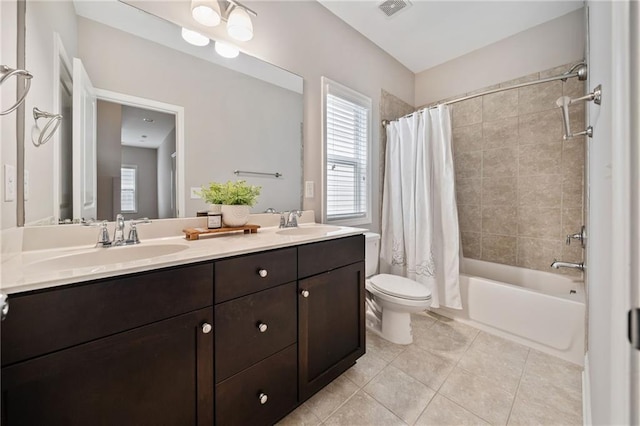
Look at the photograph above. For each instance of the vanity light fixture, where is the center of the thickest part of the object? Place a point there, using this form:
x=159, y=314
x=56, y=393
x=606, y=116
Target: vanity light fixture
x=194, y=38
x=206, y=12
x=226, y=50
x=236, y=15
x=239, y=25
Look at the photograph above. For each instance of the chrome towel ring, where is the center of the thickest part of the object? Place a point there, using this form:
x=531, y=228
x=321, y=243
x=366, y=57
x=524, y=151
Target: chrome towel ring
x=47, y=131
x=10, y=72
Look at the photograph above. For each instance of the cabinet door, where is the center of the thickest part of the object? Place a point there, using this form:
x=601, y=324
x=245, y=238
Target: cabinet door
x=157, y=374
x=331, y=333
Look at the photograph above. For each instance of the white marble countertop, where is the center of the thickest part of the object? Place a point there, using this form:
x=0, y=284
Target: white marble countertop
x=46, y=268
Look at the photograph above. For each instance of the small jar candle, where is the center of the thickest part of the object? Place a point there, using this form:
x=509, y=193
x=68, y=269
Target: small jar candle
x=214, y=220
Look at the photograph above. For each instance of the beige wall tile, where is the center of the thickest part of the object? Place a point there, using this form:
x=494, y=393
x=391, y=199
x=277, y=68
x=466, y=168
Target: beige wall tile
x=552, y=72
x=540, y=191
x=500, y=162
x=500, y=105
x=467, y=138
x=539, y=222
x=540, y=127
x=572, y=192
x=468, y=164
x=499, y=191
x=484, y=89
x=525, y=79
x=539, y=97
x=535, y=253
x=471, y=245
x=573, y=155
x=502, y=220
x=577, y=117
x=499, y=248
x=468, y=191
x=574, y=88
x=499, y=133
x=571, y=222
x=539, y=159
x=467, y=112
x=469, y=218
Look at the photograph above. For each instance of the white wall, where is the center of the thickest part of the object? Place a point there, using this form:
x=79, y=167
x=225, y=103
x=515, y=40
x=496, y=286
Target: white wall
x=307, y=39
x=559, y=41
x=607, y=259
x=8, y=151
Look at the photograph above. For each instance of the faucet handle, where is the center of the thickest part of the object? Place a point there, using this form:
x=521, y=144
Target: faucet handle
x=133, y=230
x=103, y=235
x=580, y=236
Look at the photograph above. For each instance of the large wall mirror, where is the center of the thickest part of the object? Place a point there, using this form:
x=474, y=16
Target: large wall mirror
x=147, y=117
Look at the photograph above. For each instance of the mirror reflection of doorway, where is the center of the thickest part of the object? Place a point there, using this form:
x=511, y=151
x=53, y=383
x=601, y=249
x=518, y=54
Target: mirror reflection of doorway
x=135, y=169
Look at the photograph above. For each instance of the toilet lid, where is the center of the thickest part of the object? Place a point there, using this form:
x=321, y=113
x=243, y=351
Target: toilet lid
x=401, y=287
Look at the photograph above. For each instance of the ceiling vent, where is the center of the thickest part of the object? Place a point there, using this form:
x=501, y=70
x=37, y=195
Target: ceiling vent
x=392, y=7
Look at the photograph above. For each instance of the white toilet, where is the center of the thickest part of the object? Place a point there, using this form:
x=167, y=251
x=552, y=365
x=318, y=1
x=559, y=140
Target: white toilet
x=391, y=299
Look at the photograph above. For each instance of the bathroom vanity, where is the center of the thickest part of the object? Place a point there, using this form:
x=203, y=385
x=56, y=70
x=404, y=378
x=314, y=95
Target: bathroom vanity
x=229, y=340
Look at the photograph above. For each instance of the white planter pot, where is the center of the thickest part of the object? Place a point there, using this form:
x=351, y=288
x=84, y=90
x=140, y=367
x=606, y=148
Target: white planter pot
x=215, y=208
x=235, y=215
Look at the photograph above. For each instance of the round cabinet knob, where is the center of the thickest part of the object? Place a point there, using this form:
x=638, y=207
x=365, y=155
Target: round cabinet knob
x=305, y=293
x=262, y=272
x=263, y=398
x=262, y=327
x=206, y=328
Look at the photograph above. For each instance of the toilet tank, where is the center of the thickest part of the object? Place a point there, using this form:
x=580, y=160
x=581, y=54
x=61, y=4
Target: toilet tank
x=371, y=252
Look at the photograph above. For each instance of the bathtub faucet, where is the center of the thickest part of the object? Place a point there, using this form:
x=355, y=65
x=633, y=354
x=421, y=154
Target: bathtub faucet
x=557, y=264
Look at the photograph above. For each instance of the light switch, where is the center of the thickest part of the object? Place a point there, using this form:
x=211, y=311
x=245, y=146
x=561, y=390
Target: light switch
x=309, y=189
x=195, y=193
x=9, y=182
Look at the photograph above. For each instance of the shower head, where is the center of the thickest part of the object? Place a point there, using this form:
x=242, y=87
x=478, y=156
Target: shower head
x=563, y=102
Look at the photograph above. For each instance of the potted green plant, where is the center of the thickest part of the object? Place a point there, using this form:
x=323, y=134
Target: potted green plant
x=213, y=195
x=235, y=198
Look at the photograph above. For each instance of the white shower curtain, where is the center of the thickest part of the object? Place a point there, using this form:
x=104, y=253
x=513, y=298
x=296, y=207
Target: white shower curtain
x=420, y=238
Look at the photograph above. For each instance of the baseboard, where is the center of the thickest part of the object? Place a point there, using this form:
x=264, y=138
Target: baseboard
x=586, y=393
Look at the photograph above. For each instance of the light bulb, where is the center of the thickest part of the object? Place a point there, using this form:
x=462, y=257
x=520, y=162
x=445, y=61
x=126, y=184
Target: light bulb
x=194, y=38
x=226, y=50
x=206, y=12
x=239, y=25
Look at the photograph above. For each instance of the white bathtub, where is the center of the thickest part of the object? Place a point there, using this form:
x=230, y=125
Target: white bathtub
x=542, y=310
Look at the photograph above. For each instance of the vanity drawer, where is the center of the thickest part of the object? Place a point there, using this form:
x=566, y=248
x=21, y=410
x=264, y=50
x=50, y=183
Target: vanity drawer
x=327, y=255
x=239, y=341
x=238, y=398
x=46, y=321
x=241, y=275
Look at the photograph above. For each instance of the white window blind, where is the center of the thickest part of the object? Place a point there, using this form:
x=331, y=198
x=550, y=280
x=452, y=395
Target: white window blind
x=347, y=130
x=128, y=194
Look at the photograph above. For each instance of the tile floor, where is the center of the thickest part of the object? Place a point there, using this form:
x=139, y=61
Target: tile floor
x=452, y=374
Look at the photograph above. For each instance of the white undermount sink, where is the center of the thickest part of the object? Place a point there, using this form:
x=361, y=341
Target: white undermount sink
x=106, y=256
x=309, y=230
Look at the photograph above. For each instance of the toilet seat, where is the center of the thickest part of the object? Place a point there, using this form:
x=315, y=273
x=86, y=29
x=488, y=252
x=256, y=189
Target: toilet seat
x=400, y=287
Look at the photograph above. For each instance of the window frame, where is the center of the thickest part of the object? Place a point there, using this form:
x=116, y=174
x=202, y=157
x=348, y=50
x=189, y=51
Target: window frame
x=330, y=87
x=134, y=167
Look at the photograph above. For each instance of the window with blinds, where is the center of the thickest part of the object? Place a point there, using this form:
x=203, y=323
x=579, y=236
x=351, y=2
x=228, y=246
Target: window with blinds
x=128, y=194
x=347, y=138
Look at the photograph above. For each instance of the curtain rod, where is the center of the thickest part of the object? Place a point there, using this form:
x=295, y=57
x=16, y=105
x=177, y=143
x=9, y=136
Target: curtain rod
x=578, y=70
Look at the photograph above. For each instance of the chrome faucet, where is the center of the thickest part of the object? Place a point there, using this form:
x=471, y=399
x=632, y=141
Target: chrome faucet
x=557, y=264
x=291, y=221
x=118, y=232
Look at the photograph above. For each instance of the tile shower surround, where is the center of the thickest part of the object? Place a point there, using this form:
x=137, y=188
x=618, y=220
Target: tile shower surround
x=519, y=186
x=452, y=374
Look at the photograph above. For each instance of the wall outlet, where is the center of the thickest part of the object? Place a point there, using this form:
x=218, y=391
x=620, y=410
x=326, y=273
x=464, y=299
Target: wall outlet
x=195, y=193
x=309, y=189
x=26, y=185
x=9, y=182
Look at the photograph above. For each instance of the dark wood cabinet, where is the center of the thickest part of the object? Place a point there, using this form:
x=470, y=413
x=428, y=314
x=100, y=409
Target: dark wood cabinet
x=156, y=374
x=331, y=309
x=230, y=342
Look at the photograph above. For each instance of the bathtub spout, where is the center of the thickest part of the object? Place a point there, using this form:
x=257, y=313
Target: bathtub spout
x=557, y=264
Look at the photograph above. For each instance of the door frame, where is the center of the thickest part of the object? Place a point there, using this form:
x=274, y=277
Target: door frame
x=178, y=112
